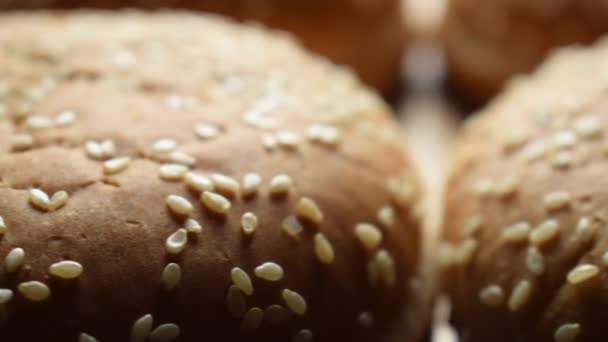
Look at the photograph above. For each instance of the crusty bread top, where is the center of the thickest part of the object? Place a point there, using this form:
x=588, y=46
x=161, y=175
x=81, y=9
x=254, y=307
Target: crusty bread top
x=100, y=110
x=525, y=224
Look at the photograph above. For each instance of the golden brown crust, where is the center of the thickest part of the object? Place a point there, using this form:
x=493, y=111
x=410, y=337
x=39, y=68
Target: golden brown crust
x=487, y=42
x=366, y=35
x=526, y=207
x=266, y=107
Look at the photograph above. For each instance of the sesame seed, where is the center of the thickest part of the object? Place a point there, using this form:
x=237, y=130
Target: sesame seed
x=280, y=184
x=365, y=320
x=492, y=295
x=123, y=59
x=386, y=216
x=164, y=145
x=276, y=314
x=58, y=200
x=3, y=227
x=249, y=223
x=193, y=226
x=303, y=335
x=36, y=93
x=463, y=253
x=567, y=332
x=141, y=328
x=520, y=295
x=315, y=132
x=38, y=122
x=446, y=253
x=116, y=165
x=287, y=139
x=534, y=151
x=401, y=191
x=386, y=268
x=269, y=142
x=95, y=150
x=35, y=291
x=198, y=182
x=291, y=226
x=369, y=235
x=165, y=333
x=66, y=269
x=215, y=202
x=564, y=139
x=182, y=158
x=269, y=271
x=308, y=209
x=179, y=205
x=556, y=200
x=86, y=338
x=252, y=320
x=585, y=229
x=65, y=118
x=206, y=131
x=562, y=160
x=174, y=102
x=236, y=301
x=515, y=139
x=323, y=249
x=5, y=296
x=14, y=260
x=108, y=148
x=242, y=280
x=483, y=186
x=258, y=121
x=471, y=225
x=605, y=258
x=544, y=232
x=251, y=184
x=99, y=151
x=294, y=301
x=172, y=274
x=517, y=232
x=172, y=172
x=535, y=262
x=506, y=187
x=39, y=199
x=177, y=241
x=582, y=273
x=225, y=185
x=324, y=134
x=587, y=127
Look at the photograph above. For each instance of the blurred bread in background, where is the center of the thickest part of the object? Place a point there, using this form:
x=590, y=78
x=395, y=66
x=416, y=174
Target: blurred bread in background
x=366, y=35
x=487, y=42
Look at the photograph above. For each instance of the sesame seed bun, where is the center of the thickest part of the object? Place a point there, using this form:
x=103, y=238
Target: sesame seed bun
x=366, y=35
x=487, y=42
x=524, y=251
x=175, y=177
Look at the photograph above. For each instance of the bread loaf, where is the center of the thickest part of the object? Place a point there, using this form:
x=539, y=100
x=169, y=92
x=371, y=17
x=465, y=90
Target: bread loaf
x=181, y=178
x=525, y=248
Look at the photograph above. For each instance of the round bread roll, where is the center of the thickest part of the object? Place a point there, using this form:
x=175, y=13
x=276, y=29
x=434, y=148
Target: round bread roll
x=366, y=35
x=172, y=177
x=525, y=246
x=489, y=41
